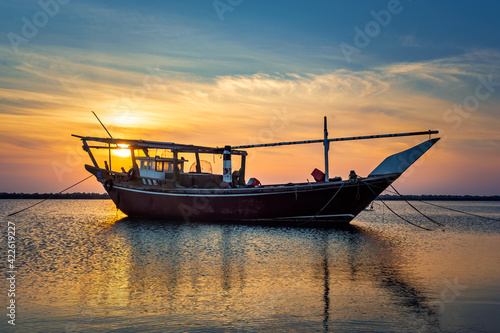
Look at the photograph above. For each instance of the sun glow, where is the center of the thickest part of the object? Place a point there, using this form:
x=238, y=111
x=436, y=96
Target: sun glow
x=123, y=151
x=125, y=120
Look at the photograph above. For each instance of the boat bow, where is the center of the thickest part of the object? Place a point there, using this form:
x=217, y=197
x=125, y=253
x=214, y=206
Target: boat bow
x=398, y=163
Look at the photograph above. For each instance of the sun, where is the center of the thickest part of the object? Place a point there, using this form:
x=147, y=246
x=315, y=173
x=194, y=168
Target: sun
x=122, y=151
x=125, y=120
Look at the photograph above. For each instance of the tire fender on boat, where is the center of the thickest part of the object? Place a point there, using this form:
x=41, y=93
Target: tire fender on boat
x=108, y=185
x=131, y=173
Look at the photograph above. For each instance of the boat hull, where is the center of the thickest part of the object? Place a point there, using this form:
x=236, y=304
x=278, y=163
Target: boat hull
x=316, y=203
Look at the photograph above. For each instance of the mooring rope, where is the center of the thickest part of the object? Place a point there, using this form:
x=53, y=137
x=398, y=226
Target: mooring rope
x=22, y=210
x=459, y=211
x=427, y=217
x=454, y=210
x=392, y=211
x=402, y=218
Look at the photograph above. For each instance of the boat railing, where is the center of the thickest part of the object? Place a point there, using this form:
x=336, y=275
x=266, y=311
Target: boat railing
x=140, y=181
x=118, y=176
x=126, y=177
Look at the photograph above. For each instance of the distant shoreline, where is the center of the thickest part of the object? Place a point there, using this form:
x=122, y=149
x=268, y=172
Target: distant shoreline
x=443, y=197
x=80, y=195
x=77, y=195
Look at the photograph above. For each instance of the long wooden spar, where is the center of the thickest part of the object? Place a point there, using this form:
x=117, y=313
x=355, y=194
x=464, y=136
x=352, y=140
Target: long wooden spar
x=233, y=150
x=429, y=132
x=326, y=142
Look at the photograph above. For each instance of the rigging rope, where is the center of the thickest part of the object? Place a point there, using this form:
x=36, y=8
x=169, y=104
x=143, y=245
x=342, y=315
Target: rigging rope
x=22, y=210
x=312, y=218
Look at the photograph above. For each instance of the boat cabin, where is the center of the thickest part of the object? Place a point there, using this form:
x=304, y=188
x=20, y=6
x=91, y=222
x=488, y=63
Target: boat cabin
x=156, y=167
x=167, y=172
x=158, y=170
x=170, y=172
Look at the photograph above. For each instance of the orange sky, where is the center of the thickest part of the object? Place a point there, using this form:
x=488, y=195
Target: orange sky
x=46, y=97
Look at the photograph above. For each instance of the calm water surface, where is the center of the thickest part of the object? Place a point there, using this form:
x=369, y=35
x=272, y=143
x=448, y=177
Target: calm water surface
x=84, y=267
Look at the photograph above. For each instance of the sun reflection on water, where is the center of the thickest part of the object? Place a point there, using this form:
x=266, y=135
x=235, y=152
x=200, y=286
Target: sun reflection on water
x=88, y=266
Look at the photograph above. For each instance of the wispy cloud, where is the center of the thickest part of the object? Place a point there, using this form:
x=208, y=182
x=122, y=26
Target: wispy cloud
x=451, y=70
x=409, y=40
x=54, y=95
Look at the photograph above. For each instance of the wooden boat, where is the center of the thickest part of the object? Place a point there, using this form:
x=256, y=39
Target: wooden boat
x=161, y=186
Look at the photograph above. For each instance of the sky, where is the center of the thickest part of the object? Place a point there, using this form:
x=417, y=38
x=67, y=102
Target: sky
x=231, y=72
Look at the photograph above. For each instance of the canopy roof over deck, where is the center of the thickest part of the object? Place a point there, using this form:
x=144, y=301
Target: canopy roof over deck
x=144, y=144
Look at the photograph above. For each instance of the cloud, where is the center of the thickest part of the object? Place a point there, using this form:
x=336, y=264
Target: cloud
x=46, y=97
x=448, y=70
x=409, y=40
x=330, y=86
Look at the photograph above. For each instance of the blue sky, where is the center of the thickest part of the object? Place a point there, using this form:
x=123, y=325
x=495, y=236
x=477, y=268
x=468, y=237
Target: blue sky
x=261, y=57
x=291, y=35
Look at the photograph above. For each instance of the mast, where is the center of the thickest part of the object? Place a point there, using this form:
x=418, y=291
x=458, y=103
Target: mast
x=242, y=169
x=176, y=167
x=87, y=149
x=227, y=165
x=109, y=144
x=134, y=161
x=198, y=163
x=326, y=144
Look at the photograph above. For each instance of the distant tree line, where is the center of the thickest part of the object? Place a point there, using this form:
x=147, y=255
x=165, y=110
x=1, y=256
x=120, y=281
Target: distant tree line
x=442, y=197
x=83, y=195
x=76, y=195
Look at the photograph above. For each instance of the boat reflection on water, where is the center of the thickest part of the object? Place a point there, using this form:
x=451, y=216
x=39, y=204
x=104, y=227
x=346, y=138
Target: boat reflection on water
x=226, y=277
x=394, y=273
